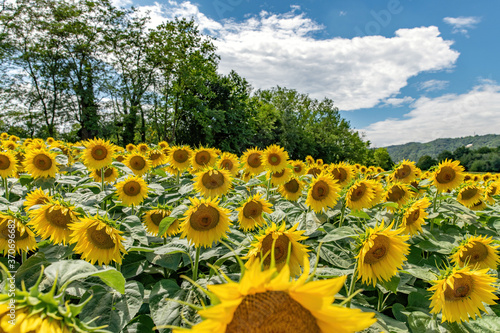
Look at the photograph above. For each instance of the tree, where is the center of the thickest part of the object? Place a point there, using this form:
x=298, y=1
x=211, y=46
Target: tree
x=426, y=162
x=383, y=159
x=444, y=155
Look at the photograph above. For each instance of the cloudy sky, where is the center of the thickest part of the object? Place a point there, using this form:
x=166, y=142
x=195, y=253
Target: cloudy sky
x=399, y=70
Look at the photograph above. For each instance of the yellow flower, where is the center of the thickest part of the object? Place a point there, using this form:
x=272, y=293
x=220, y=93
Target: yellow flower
x=405, y=172
x=314, y=170
x=309, y=160
x=323, y=193
x=142, y=148
x=179, y=157
x=480, y=205
x=36, y=197
x=205, y=222
x=299, y=168
x=264, y=301
x=415, y=216
x=382, y=253
x=152, y=219
x=292, y=189
x=342, y=172
x=274, y=158
x=8, y=164
x=132, y=191
x=137, y=163
x=280, y=177
x=283, y=241
x=360, y=195
x=492, y=189
x=212, y=183
x=156, y=157
x=229, y=162
x=41, y=163
x=448, y=176
x=398, y=193
x=110, y=174
x=9, y=145
x=202, y=158
x=97, y=240
x=130, y=147
x=378, y=189
x=477, y=251
x=460, y=294
x=23, y=236
x=98, y=154
x=250, y=213
x=469, y=195
x=163, y=145
x=252, y=160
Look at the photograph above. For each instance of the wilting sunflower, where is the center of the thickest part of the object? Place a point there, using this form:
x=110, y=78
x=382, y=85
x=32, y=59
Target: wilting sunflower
x=110, y=174
x=53, y=220
x=299, y=167
x=179, y=157
x=477, y=252
x=342, y=172
x=98, y=240
x=137, y=163
x=130, y=147
x=23, y=236
x=470, y=194
x=486, y=177
x=229, y=162
x=398, y=193
x=405, y=172
x=450, y=174
x=202, y=158
x=212, y=182
x=98, y=154
x=360, y=195
x=492, y=189
x=41, y=163
x=132, y=191
x=265, y=301
x=283, y=240
x=8, y=164
x=280, y=177
x=382, y=252
x=205, y=222
x=252, y=160
x=142, y=148
x=323, y=193
x=156, y=157
x=36, y=197
x=250, y=213
x=292, y=189
x=274, y=158
x=152, y=219
x=480, y=205
x=461, y=292
x=414, y=217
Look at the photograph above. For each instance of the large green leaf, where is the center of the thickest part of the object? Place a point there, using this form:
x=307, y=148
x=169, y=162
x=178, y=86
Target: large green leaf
x=166, y=312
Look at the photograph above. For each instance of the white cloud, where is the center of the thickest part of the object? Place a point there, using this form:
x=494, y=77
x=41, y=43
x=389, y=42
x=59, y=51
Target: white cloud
x=121, y=3
x=462, y=23
x=432, y=85
x=398, y=101
x=447, y=116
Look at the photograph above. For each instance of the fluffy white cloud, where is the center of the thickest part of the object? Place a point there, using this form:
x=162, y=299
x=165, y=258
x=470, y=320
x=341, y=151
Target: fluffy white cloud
x=462, y=23
x=432, y=85
x=281, y=49
x=447, y=116
x=398, y=101
x=121, y=3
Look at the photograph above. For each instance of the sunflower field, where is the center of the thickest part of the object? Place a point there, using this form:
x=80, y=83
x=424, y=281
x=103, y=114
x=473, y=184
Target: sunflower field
x=158, y=238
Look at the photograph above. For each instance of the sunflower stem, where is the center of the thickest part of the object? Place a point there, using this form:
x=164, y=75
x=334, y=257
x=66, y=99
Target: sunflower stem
x=6, y=184
x=102, y=189
x=268, y=185
x=118, y=267
x=342, y=213
x=196, y=262
x=24, y=256
x=177, y=177
x=434, y=204
x=353, y=283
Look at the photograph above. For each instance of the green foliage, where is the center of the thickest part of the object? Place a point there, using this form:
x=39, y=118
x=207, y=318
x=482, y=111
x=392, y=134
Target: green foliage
x=426, y=162
x=383, y=159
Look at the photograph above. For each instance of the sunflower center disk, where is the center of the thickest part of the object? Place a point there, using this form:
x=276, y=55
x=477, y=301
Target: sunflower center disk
x=132, y=188
x=359, y=192
x=280, y=249
x=320, y=191
x=6, y=232
x=403, y=172
x=279, y=174
x=413, y=217
x=339, y=174
x=57, y=219
x=462, y=286
x=445, y=175
x=271, y=312
x=297, y=168
x=157, y=217
x=274, y=159
x=100, y=238
x=292, y=186
x=205, y=218
x=314, y=171
x=99, y=152
x=469, y=193
x=227, y=164
x=154, y=156
x=477, y=253
x=108, y=172
x=254, y=160
x=395, y=194
x=213, y=181
x=4, y=162
x=42, y=162
x=202, y=158
x=378, y=251
x=252, y=209
x=180, y=156
x=492, y=190
x=137, y=162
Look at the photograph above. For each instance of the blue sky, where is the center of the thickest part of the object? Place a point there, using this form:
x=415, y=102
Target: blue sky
x=399, y=70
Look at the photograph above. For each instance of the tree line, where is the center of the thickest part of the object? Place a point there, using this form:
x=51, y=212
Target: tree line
x=483, y=159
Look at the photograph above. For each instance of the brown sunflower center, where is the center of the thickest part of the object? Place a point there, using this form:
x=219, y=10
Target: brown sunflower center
x=227, y=164
x=274, y=159
x=292, y=186
x=212, y=181
x=378, y=251
x=279, y=174
x=132, y=188
x=100, y=238
x=205, y=218
x=314, y=171
x=202, y=157
x=156, y=217
x=320, y=190
x=4, y=162
x=252, y=209
x=6, y=233
x=492, y=190
x=445, y=175
x=280, y=249
x=468, y=193
x=297, y=168
x=154, y=156
x=120, y=158
x=57, y=218
x=42, y=162
x=339, y=174
x=358, y=192
x=413, y=216
x=253, y=160
x=137, y=162
x=107, y=172
x=396, y=193
x=462, y=286
x=477, y=253
x=99, y=152
x=403, y=172
x=180, y=156
x=272, y=312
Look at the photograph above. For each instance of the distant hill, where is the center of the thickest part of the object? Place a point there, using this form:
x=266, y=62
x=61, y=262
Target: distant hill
x=413, y=150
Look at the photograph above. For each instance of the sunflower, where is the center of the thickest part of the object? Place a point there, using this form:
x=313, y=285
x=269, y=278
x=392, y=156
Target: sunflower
x=245, y=176
x=398, y=193
x=404, y=172
x=486, y=177
x=314, y=170
x=156, y=157
x=138, y=163
x=342, y=172
x=461, y=292
x=323, y=193
x=110, y=174
x=36, y=197
x=480, y=205
x=448, y=175
x=360, y=195
x=202, y=158
x=292, y=189
x=163, y=145
x=98, y=240
x=378, y=190
x=212, y=182
x=252, y=160
x=309, y=160
x=229, y=162
x=250, y=213
x=205, y=222
x=414, y=216
x=41, y=163
x=179, y=157
x=492, y=189
x=98, y=153
x=287, y=249
x=120, y=157
x=382, y=252
x=152, y=219
x=477, y=251
x=265, y=301
x=470, y=194
x=142, y=148
x=8, y=164
x=280, y=177
x=299, y=167
x=4, y=136
x=274, y=158
x=37, y=144
x=9, y=145
x=132, y=190
x=23, y=236
x=53, y=220
x=130, y=147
